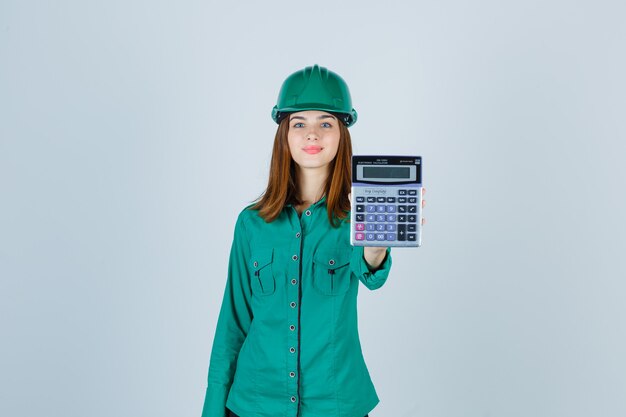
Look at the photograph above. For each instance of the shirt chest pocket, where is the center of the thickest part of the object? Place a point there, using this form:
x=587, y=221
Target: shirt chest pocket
x=262, y=277
x=331, y=271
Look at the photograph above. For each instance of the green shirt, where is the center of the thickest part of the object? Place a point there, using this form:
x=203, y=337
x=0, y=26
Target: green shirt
x=287, y=342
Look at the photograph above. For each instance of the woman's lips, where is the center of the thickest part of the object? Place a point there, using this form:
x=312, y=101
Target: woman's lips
x=312, y=149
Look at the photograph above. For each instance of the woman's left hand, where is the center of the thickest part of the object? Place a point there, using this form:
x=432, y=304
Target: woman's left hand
x=375, y=255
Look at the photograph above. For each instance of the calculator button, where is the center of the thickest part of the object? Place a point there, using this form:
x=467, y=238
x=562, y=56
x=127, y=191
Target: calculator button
x=370, y=227
x=391, y=236
x=359, y=236
x=380, y=209
x=391, y=217
x=412, y=209
x=391, y=199
x=401, y=192
x=371, y=199
x=380, y=217
x=360, y=217
x=411, y=237
x=401, y=218
x=413, y=200
x=401, y=209
x=412, y=192
x=371, y=208
x=391, y=209
x=360, y=199
x=412, y=218
x=370, y=236
x=402, y=232
x=380, y=236
x=380, y=227
x=380, y=199
x=392, y=227
x=360, y=208
x=402, y=200
x=370, y=217
x=411, y=228
x=359, y=226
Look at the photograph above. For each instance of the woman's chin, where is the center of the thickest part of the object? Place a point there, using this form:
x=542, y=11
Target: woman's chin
x=312, y=164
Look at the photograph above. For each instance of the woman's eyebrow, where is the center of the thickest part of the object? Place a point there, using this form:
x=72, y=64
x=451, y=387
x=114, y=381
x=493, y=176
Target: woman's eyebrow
x=323, y=116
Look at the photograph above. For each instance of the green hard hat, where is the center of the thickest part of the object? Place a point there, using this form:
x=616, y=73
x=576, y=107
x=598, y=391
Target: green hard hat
x=315, y=88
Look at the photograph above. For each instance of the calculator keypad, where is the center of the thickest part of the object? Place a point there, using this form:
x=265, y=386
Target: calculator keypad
x=389, y=219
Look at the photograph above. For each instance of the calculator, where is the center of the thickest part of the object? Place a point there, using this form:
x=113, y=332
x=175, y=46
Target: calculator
x=386, y=208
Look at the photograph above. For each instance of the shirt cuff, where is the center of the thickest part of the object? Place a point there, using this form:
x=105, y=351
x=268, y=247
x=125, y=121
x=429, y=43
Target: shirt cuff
x=371, y=279
x=215, y=401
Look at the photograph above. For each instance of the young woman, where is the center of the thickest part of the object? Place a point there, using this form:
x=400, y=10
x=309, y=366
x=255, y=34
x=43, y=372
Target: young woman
x=286, y=342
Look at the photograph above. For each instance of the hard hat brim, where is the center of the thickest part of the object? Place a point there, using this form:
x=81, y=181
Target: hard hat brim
x=279, y=114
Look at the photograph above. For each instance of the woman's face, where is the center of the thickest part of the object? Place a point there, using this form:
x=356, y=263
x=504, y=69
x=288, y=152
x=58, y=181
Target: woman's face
x=313, y=138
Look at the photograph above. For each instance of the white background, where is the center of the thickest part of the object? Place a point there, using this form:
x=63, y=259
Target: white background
x=133, y=132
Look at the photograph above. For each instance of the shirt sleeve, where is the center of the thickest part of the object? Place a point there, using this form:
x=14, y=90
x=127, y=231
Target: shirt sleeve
x=232, y=327
x=371, y=279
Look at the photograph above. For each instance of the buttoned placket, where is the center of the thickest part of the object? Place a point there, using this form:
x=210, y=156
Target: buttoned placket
x=294, y=297
x=293, y=316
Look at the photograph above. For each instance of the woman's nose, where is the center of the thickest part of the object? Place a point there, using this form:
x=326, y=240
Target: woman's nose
x=311, y=135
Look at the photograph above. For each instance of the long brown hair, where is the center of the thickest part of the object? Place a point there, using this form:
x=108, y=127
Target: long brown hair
x=282, y=184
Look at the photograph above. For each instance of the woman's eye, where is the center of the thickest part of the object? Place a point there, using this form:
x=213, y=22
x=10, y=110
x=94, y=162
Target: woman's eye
x=326, y=124
x=298, y=125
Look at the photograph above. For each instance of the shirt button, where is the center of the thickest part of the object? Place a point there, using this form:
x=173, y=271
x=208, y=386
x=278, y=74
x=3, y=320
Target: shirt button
x=294, y=257
x=292, y=349
x=294, y=281
x=292, y=304
x=298, y=234
x=292, y=327
x=308, y=212
x=292, y=374
x=331, y=262
x=256, y=264
x=293, y=399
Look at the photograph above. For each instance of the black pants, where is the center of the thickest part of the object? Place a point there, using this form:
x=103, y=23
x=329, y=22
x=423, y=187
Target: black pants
x=231, y=414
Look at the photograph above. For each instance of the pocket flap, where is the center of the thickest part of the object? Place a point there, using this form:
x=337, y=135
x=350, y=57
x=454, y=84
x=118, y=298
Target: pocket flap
x=261, y=258
x=332, y=258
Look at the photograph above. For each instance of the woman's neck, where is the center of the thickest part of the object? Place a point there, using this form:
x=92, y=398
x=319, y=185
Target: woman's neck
x=311, y=183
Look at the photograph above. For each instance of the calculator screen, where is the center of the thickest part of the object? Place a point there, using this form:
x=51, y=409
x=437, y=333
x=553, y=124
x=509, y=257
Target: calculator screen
x=387, y=172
